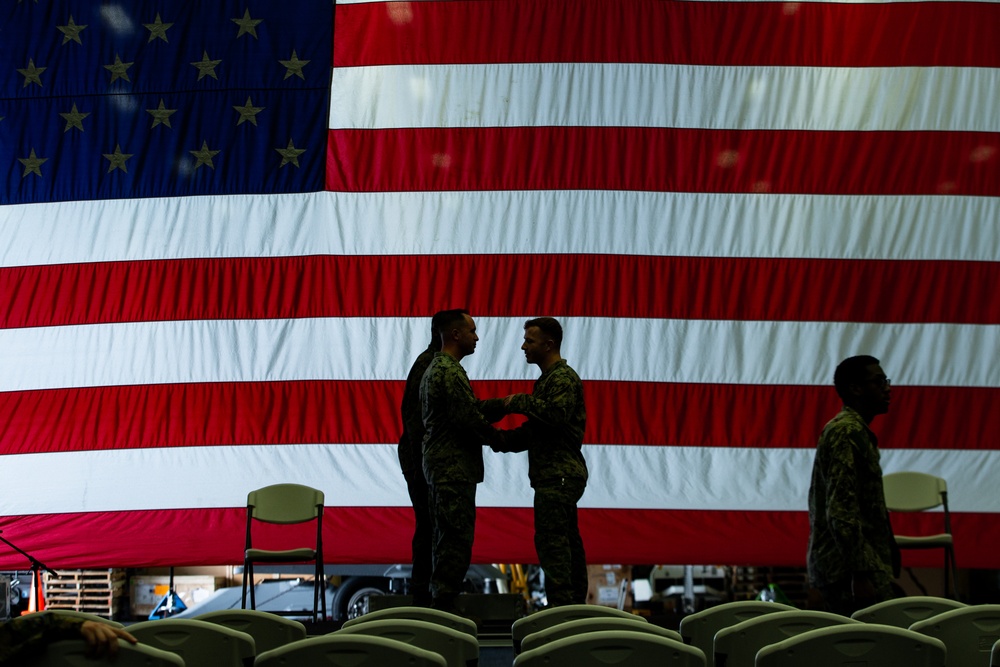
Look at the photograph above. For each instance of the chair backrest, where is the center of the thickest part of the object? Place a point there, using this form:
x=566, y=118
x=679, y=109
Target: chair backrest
x=699, y=628
x=458, y=648
x=76, y=653
x=855, y=644
x=84, y=616
x=913, y=491
x=612, y=647
x=268, y=630
x=285, y=503
x=349, y=650
x=737, y=645
x=199, y=643
x=546, y=618
x=904, y=612
x=595, y=624
x=453, y=621
x=969, y=633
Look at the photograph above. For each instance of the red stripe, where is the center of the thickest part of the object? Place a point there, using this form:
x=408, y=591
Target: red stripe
x=503, y=535
x=807, y=34
x=664, y=159
x=713, y=288
x=619, y=413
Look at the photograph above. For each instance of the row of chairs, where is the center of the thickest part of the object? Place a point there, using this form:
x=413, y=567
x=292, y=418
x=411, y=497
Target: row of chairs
x=918, y=630
x=735, y=634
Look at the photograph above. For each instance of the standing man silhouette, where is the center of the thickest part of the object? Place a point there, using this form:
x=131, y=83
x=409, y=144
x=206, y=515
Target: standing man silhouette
x=411, y=462
x=553, y=438
x=455, y=432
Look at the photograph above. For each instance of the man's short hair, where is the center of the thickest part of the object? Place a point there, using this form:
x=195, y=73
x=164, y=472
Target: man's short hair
x=853, y=370
x=436, y=329
x=549, y=326
x=450, y=319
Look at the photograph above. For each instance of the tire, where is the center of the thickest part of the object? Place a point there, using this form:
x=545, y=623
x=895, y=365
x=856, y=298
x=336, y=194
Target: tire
x=351, y=598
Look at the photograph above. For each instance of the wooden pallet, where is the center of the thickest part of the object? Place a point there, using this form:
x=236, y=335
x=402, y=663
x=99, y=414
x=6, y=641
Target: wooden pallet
x=98, y=592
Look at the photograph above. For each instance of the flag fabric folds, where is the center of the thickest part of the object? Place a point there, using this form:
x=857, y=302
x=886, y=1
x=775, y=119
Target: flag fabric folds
x=225, y=229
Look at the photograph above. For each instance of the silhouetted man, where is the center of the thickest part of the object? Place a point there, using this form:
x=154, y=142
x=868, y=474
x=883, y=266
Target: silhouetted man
x=453, y=455
x=553, y=437
x=852, y=554
x=411, y=462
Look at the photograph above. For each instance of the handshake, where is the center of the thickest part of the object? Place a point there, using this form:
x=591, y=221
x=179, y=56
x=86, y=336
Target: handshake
x=503, y=441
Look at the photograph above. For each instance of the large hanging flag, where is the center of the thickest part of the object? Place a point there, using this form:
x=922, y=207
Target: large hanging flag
x=220, y=256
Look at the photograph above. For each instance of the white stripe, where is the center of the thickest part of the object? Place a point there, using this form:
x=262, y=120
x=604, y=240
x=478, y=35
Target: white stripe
x=679, y=478
x=677, y=96
x=585, y=222
x=640, y=350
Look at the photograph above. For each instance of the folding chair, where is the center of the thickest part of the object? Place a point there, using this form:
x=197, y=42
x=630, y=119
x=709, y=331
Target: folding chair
x=969, y=633
x=737, y=645
x=458, y=648
x=904, y=612
x=852, y=645
x=995, y=655
x=74, y=653
x=349, y=650
x=546, y=618
x=285, y=504
x=612, y=647
x=595, y=624
x=699, y=628
x=198, y=643
x=917, y=492
x=447, y=619
x=268, y=630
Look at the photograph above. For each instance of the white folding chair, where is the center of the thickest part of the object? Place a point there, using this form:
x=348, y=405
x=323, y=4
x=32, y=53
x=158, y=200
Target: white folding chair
x=199, y=643
x=349, y=650
x=546, y=618
x=447, y=619
x=904, y=612
x=268, y=630
x=458, y=648
x=969, y=633
x=612, y=647
x=737, y=645
x=854, y=644
x=595, y=624
x=699, y=628
x=285, y=504
x=917, y=492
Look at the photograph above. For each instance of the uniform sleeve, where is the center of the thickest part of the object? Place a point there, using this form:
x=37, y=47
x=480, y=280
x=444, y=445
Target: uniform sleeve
x=28, y=635
x=554, y=402
x=493, y=409
x=844, y=512
x=465, y=412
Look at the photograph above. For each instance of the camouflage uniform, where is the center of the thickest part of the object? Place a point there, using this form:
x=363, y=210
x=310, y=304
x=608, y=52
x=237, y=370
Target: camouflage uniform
x=553, y=437
x=26, y=636
x=849, y=528
x=411, y=463
x=453, y=465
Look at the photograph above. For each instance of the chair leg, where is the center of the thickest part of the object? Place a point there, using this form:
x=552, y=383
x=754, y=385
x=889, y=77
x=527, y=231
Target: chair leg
x=951, y=569
x=243, y=604
x=250, y=583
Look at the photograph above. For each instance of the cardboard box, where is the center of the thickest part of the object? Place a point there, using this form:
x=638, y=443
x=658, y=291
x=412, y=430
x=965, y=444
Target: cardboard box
x=609, y=584
x=148, y=590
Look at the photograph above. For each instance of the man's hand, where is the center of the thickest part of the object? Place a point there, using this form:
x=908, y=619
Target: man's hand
x=102, y=639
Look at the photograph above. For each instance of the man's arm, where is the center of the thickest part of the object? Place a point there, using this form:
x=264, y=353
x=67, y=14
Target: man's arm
x=28, y=635
x=554, y=402
x=843, y=507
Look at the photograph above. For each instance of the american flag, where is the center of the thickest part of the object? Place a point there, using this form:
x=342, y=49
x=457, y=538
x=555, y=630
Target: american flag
x=225, y=227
